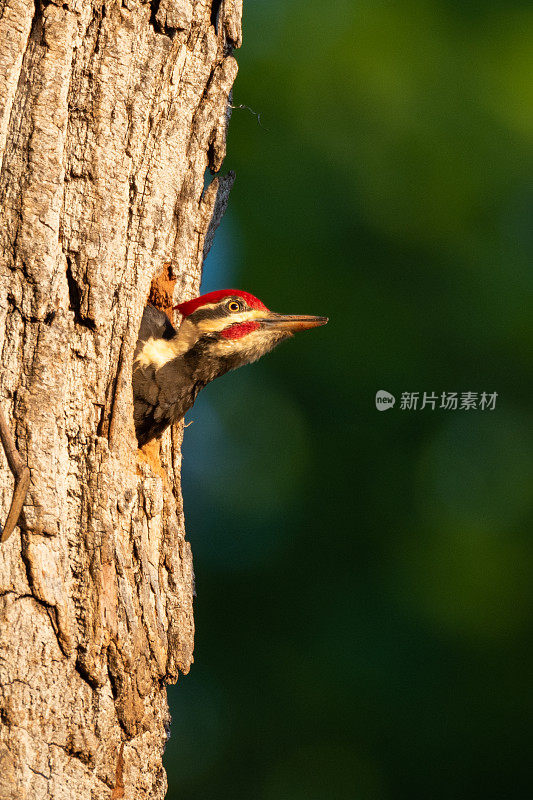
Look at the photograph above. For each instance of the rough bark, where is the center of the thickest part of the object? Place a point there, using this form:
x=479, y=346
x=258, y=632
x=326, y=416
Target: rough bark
x=110, y=113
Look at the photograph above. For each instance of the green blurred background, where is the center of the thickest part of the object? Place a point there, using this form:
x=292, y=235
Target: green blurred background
x=364, y=579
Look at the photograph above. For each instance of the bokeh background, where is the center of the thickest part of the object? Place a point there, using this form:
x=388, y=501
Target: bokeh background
x=365, y=594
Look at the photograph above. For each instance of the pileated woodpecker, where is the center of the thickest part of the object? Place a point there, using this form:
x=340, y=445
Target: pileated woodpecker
x=219, y=331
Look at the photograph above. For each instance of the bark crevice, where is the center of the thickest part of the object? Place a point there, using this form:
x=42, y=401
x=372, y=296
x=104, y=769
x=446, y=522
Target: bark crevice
x=110, y=114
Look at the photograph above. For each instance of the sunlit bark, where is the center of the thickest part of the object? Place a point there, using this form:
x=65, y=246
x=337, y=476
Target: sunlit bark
x=110, y=114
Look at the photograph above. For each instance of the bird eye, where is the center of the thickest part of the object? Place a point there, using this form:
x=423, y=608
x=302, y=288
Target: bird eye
x=233, y=305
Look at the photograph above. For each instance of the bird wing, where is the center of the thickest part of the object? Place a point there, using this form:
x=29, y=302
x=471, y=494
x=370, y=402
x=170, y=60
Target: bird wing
x=154, y=325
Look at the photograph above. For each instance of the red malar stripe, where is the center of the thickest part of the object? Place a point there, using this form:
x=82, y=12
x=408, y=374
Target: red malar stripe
x=239, y=330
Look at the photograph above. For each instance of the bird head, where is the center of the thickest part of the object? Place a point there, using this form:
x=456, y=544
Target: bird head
x=228, y=328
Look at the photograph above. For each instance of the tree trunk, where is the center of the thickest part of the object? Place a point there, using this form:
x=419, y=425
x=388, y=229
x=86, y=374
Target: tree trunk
x=110, y=113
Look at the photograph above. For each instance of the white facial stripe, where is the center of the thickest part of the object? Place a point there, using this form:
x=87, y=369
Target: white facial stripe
x=230, y=346
x=157, y=352
x=187, y=336
x=213, y=325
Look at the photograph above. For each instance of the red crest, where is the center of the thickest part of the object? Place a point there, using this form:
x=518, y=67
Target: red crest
x=190, y=306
